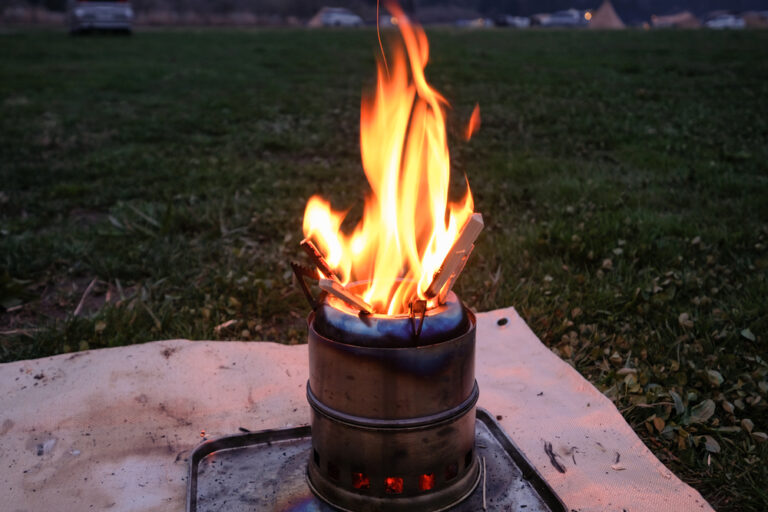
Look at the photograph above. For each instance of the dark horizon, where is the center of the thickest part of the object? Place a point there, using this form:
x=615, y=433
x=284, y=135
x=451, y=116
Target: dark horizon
x=631, y=11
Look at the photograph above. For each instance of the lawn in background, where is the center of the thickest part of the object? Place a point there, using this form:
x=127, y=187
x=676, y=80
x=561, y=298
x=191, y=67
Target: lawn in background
x=622, y=177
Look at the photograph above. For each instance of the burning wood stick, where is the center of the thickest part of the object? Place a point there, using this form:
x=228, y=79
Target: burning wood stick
x=454, y=277
x=337, y=289
x=457, y=256
x=318, y=259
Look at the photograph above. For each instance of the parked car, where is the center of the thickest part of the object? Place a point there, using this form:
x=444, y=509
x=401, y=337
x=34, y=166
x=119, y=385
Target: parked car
x=569, y=18
x=726, y=21
x=474, y=23
x=514, y=21
x=335, y=17
x=85, y=15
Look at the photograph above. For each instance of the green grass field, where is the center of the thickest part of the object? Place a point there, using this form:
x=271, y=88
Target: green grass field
x=622, y=177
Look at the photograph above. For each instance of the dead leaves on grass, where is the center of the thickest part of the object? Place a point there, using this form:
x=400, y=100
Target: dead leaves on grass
x=672, y=354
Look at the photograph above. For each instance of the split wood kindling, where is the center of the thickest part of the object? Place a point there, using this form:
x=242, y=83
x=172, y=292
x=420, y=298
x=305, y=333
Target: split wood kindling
x=442, y=281
x=457, y=257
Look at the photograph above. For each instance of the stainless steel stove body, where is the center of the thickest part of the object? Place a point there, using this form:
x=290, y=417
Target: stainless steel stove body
x=393, y=408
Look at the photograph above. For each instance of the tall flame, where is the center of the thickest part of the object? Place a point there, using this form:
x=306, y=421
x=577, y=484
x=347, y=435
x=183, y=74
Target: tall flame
x=408, y=224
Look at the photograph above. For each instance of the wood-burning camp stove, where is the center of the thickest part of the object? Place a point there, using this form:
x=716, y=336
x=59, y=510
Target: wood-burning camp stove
x=393, y=407
x=393, y=427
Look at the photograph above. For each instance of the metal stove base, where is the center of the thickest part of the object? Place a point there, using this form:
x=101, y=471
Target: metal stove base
x=266, y=471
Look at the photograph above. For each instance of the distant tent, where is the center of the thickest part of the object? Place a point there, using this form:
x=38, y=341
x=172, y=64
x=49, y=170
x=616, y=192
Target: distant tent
x=684, y=19
x=755, y=19
x=317, y=19
x=606, y=18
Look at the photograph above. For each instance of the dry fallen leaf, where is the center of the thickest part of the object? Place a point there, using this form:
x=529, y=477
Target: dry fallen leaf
x=702, y=411
x=748, y=334
x=685, y=320
x=711, y=445
x=715, y=378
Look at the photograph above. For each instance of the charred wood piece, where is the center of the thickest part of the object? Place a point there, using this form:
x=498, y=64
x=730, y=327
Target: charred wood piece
x=337, y=289
x=303, y=273
x=318, y=259
x=418, y=308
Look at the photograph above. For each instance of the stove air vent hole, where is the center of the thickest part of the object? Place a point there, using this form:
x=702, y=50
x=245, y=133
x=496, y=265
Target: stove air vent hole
x=426, y=482
x=393, y=485
x=360, y=481
x=451, y=470
x=468, y=459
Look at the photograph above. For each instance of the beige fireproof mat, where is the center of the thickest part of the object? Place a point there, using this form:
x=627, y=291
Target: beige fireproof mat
x=111, y=429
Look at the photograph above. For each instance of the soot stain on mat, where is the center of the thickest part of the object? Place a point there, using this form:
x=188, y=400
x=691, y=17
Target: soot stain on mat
x=7, y=426
x=553, y=457
x=169, y=351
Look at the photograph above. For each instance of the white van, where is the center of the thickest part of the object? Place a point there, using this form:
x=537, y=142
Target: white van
x=726, y=21
x=335, y=17
x=85, y=15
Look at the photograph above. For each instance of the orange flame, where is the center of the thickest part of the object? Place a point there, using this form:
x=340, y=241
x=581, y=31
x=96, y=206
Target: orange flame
x=474, y=123
x=408, y=224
